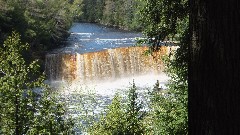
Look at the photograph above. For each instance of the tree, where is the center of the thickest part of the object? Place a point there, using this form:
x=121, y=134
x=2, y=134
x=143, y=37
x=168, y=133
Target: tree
x=92, y=10
x=50, y=20
x=122, y=119
x=118, y=13
x=108, y=11
x=23, y=109
x=113, y=122
x=170, y=107
x=214, y=67
x=163, y=19
x=134, y=114
x=41, y=23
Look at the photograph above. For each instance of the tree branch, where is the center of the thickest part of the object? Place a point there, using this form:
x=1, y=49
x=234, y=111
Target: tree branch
x=2, y=72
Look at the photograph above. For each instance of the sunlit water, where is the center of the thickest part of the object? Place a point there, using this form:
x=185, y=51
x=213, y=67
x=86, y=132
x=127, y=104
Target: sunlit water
x=86, y=101
x=90, y=37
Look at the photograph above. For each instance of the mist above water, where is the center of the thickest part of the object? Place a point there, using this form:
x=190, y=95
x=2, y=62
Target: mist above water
x=110, y=88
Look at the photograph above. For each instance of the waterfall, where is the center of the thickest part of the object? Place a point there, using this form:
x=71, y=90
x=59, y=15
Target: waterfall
x=104, y=65
x=60, y=67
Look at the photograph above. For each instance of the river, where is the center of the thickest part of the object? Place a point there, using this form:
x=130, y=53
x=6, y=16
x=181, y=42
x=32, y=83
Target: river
x=97, y=63
x=91, y=37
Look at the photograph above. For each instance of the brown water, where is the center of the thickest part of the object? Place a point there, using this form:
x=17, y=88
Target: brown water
x=105, y=65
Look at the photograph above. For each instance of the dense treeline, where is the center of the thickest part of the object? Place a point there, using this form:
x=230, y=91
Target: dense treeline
x=43, y=24
x=118, y=13
x=160, y=19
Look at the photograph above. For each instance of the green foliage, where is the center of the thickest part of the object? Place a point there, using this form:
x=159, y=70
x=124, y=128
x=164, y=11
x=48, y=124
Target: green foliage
x=23, y=109
x=159, y=19
x=51, y=19
x=113, y=122
x=163, y=19
x=119, y=13
x=134, y=115
x=121, y=118
x=43, y=24
x=170, y=106
x=50, y=117
x=92, y=10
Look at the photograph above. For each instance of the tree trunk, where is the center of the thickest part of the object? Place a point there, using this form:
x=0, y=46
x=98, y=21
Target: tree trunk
x=214, y=69
x=16, y=116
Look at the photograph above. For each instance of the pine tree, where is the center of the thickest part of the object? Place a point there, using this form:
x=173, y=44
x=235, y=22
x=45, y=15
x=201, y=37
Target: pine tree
x=22, y=107
x=134, y=115
x=113, y=122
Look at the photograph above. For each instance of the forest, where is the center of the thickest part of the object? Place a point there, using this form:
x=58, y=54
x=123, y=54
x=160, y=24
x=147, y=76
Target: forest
x=120, y=13
x=202, y=95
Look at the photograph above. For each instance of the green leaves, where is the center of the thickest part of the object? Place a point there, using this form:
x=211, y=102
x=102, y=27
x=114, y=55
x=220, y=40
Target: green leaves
x=170, y=115
x=43, y=24
x=163, y=19
x=117, y=13
x=113, y=122
x=23, y=109
x=13, y=85
x=11, y=56
x=122, y=118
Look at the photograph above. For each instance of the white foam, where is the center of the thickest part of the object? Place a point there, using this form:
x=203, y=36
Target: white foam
x=117, y=39
x=111, y=87
x=77, y=33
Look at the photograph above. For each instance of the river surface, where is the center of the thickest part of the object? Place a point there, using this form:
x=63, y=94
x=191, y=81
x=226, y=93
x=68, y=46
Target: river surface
x=91, y=37
x=85, y=101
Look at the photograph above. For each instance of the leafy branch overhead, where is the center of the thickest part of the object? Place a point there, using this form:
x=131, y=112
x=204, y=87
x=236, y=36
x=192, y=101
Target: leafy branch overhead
x=162, y=18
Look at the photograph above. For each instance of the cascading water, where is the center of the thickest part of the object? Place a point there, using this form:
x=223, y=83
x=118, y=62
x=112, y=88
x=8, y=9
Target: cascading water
x=104, y=65
x=101, y=61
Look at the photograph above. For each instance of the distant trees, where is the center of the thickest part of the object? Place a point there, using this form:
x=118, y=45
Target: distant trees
x=119, y=13
x=92, y=10
x=151, y=16
x=26, y=105
x=43, y=24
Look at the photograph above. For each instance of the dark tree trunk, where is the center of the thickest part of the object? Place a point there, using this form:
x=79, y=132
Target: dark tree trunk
x=214, y=69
